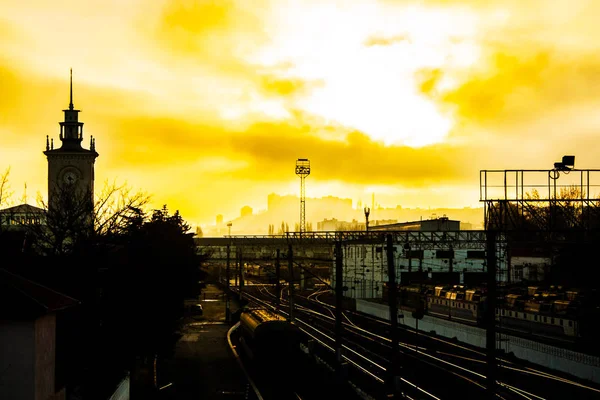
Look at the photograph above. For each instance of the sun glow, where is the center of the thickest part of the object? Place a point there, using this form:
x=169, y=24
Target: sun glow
x=367, y=62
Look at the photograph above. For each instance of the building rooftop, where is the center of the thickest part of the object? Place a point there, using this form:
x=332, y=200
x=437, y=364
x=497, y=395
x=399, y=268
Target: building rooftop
x=437, y=224
x=22, y=209
x=21, y=298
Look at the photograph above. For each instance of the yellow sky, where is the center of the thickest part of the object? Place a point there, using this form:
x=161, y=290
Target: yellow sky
x=207, y=104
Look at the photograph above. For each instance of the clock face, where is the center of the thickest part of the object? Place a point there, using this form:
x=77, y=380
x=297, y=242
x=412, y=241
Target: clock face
x=70, y=177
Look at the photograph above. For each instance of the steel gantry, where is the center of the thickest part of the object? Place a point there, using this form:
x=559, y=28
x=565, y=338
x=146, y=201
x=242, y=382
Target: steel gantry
x=424, y=240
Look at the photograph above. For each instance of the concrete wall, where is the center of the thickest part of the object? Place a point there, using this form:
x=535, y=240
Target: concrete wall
x=122, y=391
x=17, y=368
x=45, y=356
x=578, y=364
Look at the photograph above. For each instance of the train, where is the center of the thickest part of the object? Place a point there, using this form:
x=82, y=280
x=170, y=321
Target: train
x=277, y=353
x=552, y=312
x=265, y=334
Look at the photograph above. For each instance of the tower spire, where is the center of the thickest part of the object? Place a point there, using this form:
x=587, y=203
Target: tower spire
x=71, y=91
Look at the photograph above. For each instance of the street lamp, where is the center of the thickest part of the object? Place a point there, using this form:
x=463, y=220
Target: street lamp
x=229, y=224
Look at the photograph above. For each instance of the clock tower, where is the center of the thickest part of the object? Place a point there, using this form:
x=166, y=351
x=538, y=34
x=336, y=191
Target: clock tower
x=70, y=166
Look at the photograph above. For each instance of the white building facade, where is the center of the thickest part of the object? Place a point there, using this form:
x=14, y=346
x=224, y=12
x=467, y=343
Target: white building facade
x=365, y=267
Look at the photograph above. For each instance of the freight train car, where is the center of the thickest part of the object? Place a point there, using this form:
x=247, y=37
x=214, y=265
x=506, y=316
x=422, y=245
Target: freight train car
x=544, y=323
x=551, y=313
x=457, y=303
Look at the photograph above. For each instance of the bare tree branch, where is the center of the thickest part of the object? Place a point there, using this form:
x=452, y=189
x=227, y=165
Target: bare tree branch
x=116, y=206
x=72, y=217
x=5, y=192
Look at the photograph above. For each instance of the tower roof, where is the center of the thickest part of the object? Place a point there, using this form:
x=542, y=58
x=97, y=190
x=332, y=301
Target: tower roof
x=71, y=90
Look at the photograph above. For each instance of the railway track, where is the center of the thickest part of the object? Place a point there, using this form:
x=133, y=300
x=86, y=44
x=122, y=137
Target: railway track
x=366, y=343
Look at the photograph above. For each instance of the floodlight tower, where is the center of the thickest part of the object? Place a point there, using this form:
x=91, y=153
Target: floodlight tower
x=302, y=170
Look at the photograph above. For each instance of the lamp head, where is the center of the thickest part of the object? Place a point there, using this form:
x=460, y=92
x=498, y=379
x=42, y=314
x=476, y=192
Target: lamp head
x=567, y=163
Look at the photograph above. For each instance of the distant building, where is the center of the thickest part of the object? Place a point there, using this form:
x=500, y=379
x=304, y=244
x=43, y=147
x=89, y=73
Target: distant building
x=282, y=207
x=382, y=222
x=328, y=225
x=19, y=217
x=529, y=264
x=365, y=261
x=246, y=211
x=219, y=220
x=29, y=355
x=466, y=226
x=429, y=225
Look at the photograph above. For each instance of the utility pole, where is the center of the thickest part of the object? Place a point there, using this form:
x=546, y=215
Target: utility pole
x=227, y=277
x=237, y=272
x=490, y=314
x=277, y=283
x=227, y=269
x=451, y=259
x=392, y=372
x=508, y=264
x=240, y=263
x=302, y=170
x=339, y=297
x=409, y=256
x=291, y=285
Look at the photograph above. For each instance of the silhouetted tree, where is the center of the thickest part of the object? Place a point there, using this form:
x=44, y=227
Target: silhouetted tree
x=72, y=220
x=156, y=269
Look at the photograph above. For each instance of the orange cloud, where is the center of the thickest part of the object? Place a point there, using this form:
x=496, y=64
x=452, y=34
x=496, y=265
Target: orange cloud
x=283, y=87
x=193, y=101
x=386, y=41
x=210, y=34
x=139, y=142
x=428, y=79
x=518, y=87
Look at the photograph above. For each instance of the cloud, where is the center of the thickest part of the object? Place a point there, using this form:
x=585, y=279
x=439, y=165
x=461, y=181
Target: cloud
x=130, y=138
x=517, y=87
x=190, y=98
x=272, y=85
x=358, y=159
x=427, y=80
x=271, y=147
x=217, y=35
x=386, y=41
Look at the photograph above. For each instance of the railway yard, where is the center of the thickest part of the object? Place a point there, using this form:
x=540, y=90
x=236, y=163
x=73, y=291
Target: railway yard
x=426, y=366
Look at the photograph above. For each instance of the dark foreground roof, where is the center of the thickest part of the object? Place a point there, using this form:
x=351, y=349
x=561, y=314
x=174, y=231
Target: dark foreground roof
x=21, y=298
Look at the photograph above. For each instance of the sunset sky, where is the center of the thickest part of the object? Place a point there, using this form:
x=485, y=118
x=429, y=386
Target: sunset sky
x=206, y=105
